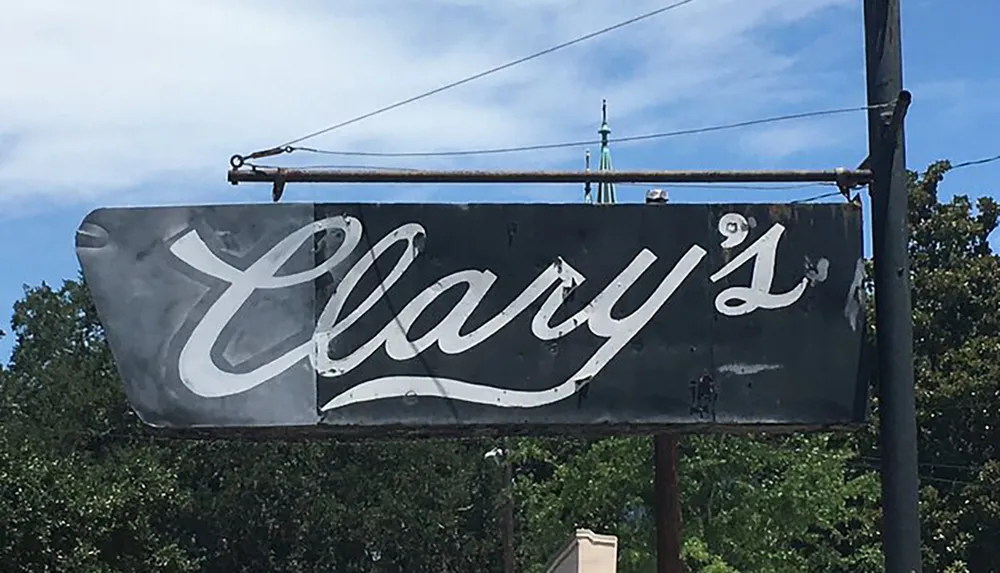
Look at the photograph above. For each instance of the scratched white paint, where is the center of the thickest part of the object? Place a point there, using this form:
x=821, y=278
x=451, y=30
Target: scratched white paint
x=855, y=296
x=817, y=272
x=203, y=377
x=742, y=369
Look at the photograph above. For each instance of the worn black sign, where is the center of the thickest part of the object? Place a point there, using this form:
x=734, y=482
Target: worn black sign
x=420, y=318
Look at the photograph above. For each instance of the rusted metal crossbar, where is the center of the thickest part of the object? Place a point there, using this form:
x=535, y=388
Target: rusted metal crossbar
x=846, y=178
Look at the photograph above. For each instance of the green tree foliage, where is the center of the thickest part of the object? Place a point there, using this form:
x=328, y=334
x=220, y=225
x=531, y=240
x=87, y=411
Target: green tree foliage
x=84, y=487
x=62, y=385
x=762, y=504
x=956, y=320
x=70, y=513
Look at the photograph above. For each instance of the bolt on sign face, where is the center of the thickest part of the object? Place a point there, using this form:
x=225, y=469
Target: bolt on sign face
x=373, y=319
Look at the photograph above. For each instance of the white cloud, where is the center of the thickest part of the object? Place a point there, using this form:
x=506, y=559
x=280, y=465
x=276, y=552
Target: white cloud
x=104, y=96
x=777, y=142
x=958, y=100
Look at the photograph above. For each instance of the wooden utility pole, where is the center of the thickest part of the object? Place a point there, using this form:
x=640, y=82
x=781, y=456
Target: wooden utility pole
x=668, y=505
x=667, y=491
x=508, y=511
x=893, y=307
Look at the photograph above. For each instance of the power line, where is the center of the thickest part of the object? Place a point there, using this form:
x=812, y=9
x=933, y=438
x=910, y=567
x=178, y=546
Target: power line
x=871, y=463
x=976, y=162
x=724, y=187
x=491, y=71
x=582, y=143
x=338, y=166
x=735, y=187
x=836, y=193
x=969, y=163
x=933, y=465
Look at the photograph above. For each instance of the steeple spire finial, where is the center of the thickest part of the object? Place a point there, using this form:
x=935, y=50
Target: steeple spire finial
x=605, y=191
x=605, y=131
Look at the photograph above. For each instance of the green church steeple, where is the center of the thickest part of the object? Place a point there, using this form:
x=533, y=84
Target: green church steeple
x=605, y=191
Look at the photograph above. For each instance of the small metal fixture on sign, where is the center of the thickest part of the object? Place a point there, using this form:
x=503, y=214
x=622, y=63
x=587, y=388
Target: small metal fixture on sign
x=279, y=187
x=893, y=121
x=657, y=196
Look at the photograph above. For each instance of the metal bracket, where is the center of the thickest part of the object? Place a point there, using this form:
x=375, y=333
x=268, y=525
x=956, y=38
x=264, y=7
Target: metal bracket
x=279, y=185
x=844, y=184
x=892, y=123
x=895, y=120
x=238, y=160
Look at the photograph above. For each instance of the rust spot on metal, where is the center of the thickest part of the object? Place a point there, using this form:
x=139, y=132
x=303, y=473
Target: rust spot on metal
x=781, y=213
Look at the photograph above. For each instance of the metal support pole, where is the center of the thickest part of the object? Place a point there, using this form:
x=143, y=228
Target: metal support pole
x=847, y=177
x=505, y=502
x=893, y=311
x=508, y=509
x=668, y=505
x=665, y=486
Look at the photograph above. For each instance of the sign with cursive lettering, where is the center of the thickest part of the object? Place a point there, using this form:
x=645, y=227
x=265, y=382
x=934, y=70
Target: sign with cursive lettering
x=375, y=319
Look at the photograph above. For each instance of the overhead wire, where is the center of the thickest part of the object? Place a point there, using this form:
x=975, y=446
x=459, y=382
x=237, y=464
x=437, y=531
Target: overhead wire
x=734, y=186
x=490, y=71
x=582, y=143
x=872, y=463
x=837, y=193
x=960, y=165
x=738, y=187
x=935, y=465
x=337, y=166
x=976, y=162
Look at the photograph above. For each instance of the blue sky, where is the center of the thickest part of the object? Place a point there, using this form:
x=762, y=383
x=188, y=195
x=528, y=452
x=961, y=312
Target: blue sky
x=102, y=107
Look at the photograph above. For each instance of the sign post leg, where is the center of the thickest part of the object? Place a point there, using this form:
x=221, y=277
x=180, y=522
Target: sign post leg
x=508, y=510
x=893, y=310
x=666, y=490
x=668, y=505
